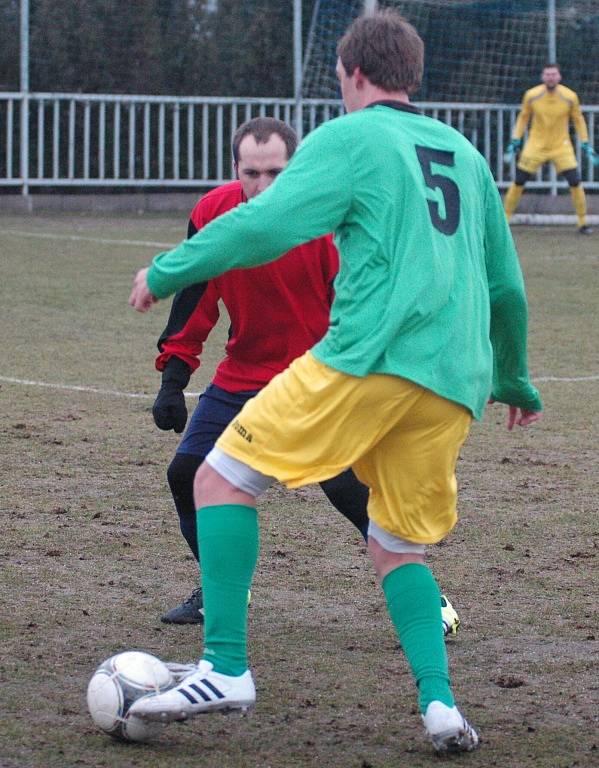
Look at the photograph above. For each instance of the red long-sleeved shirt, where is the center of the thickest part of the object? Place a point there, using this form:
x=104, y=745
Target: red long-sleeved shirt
x=277, y=310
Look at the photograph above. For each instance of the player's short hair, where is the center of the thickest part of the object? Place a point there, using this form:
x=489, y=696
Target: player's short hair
x=262, y=128
x=552, y=65
x=387, y=48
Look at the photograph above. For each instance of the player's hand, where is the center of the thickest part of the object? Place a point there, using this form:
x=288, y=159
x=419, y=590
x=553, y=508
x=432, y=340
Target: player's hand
x=512, y=148
x=141, y=299
x=592, y=155
x=169, y=409
x=521, y=417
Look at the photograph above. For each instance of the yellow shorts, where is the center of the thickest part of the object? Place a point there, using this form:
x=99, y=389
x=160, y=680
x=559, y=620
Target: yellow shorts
x=312, y=422
x=562, y=157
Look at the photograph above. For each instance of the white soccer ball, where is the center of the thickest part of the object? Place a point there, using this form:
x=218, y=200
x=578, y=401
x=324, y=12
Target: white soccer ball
x=116, y=684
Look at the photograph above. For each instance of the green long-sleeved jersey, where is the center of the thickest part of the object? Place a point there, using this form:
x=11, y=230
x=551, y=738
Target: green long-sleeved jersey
x=429, y=286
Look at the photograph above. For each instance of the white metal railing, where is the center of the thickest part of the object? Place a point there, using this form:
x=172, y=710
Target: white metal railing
x=57, y=140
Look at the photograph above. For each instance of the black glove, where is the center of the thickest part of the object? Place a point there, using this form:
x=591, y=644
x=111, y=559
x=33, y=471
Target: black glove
x=169, y=410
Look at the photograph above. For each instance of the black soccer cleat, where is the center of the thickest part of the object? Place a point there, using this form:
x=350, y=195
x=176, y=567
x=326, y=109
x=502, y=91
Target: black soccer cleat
x=190, y=611
x=585, y=230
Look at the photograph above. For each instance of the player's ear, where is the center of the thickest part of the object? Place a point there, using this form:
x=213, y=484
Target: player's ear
x=236, y=169
x=359, y=78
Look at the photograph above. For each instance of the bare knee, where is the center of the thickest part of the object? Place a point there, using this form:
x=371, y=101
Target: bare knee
x=385, y=561
x=210, y=489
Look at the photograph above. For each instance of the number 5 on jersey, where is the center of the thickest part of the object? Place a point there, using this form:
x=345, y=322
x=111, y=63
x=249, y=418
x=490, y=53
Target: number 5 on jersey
x=449, y=189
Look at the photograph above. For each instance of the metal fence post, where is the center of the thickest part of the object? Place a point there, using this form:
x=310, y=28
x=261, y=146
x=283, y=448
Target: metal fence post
x=24, y=124
x=552, y=56
x=297, y=66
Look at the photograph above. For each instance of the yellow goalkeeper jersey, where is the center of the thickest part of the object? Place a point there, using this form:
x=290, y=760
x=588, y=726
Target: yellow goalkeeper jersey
x=551, y=112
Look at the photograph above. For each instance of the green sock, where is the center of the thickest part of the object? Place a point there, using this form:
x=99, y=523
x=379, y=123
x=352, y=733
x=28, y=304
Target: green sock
x=228, y=545
x=414, y=603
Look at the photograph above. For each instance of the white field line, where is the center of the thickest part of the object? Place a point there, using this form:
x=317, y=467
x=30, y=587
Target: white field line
x=144, y=396
x=101, y=240
x=93, y=390
x=569, y=378
x=550, y=219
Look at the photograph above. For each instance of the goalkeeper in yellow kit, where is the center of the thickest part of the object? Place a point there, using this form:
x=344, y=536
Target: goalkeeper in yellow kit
x=551, y=107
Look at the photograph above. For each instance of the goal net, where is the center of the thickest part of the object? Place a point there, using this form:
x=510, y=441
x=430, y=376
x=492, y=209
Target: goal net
x=477, y=51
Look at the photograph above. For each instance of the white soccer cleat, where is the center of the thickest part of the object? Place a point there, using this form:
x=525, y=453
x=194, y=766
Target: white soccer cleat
x=449, y=617
x=180, y=671
x=447, y=729
x=202, y=691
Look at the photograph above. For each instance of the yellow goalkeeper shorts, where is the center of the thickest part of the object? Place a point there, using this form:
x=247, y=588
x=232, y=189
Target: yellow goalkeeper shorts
x=312, y=422
x=533, y=158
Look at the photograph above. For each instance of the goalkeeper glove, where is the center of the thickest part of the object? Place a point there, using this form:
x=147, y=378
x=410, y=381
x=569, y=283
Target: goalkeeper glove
x=512, y=148
x=169, y=410
x=592, y=155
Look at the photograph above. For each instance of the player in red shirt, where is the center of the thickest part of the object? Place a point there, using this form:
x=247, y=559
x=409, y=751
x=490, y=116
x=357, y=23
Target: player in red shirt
x=277, y=312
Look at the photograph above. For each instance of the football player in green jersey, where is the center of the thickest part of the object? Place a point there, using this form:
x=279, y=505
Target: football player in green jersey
x=428, y=323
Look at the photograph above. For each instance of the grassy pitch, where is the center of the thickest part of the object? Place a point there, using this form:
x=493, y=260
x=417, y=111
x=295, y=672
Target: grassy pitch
x=91, y=554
